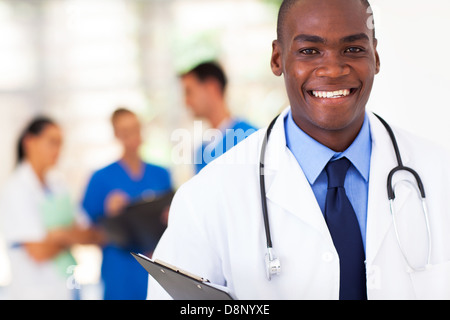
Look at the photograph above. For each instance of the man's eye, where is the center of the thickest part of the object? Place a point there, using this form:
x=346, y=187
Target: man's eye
x=353, y=50
x=309, y=51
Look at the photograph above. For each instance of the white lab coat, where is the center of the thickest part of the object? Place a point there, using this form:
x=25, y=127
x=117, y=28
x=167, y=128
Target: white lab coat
x=216, y=228
x=21, y=221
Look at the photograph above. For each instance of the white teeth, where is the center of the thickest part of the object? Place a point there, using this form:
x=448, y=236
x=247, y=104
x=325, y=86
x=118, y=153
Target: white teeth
x=331, y=94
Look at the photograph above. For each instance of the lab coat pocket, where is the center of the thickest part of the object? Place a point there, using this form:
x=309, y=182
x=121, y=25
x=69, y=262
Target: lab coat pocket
x=433, y=283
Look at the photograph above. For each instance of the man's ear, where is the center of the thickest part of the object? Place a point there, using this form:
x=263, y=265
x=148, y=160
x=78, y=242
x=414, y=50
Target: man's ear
x=212, y=86
x=276, y=61
x=377, y=57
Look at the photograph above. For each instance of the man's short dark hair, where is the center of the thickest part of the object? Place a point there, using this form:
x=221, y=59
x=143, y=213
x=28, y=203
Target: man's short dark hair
x=209, y=70
x=286, y=5
x=119, y=112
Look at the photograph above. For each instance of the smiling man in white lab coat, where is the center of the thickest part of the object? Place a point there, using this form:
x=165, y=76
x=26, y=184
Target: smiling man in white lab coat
x=326, y=51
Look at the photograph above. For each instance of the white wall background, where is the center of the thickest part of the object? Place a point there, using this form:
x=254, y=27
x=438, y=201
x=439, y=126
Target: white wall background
x=414, y=46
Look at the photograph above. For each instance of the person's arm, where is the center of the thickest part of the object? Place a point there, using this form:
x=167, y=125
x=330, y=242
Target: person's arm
x=22, y=226
x=70, y=236
x=61, y=239
x=43, y=250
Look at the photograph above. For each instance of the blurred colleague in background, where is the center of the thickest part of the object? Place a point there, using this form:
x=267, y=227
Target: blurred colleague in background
x=204, y=89
x=39, y=222
x=110, y=190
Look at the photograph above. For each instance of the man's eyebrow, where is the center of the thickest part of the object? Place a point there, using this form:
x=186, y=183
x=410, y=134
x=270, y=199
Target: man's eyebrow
x=309, y=38
x=317, y=39
x=355, y=37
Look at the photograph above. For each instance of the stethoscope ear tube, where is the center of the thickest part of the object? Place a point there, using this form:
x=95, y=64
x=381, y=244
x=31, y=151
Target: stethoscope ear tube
x=390, y=189
x=262, y=184
x=272, y=263
x=391, y=196
x=394, y=141
x=400, y=167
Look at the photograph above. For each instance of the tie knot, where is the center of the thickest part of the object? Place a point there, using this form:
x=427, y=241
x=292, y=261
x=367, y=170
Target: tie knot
x=336, y=171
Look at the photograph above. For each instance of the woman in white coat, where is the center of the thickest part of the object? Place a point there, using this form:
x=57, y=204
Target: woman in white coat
x=38, y=220
x=327, y=54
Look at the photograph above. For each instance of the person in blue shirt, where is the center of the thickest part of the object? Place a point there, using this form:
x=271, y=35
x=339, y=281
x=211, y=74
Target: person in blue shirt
x=204, y=92
x=109, y=190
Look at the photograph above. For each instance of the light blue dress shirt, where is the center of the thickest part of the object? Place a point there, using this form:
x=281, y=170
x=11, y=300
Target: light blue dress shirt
x=313, y=156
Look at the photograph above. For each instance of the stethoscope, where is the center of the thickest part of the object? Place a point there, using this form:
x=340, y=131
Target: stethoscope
x=273, y=266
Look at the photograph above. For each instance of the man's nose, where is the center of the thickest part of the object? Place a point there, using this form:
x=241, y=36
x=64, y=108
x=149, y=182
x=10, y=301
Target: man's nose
x=332, y=66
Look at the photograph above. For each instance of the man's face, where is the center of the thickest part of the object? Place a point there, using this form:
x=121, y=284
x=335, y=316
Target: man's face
x=196, y=95
x=127, y=130
x=328, y=57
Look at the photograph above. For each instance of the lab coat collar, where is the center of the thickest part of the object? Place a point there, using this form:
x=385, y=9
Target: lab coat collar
x=25, y=170
x=53, y=182
x=286, y=183
x=288, y=187
x=383, y=160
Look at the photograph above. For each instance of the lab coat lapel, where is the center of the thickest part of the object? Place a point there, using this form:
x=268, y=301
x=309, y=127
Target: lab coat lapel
x=288, y=188
x=31, y=180
x=383, y=160
x=287, y=185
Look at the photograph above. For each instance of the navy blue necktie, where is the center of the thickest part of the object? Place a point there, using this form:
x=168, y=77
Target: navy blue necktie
x=344, y=229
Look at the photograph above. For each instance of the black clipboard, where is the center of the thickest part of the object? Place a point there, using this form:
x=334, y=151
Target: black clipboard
x=140, y=225
x=179, y=284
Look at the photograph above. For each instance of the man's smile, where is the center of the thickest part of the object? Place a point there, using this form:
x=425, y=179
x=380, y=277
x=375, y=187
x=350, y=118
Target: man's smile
x=331, y=94
x=334, y=94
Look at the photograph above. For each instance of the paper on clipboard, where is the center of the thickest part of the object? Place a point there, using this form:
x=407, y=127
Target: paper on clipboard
x=179, y=284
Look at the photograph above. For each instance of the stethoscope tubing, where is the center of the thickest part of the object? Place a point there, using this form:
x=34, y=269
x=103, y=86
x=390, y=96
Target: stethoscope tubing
x=390, y=191
x=400, y=166
x=263, y=185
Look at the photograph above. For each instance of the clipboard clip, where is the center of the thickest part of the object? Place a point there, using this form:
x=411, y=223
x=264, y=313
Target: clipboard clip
x=178, y=270
x=182, y=285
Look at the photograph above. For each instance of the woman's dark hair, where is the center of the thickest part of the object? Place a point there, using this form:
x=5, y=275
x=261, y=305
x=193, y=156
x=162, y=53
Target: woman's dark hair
x=34, y=128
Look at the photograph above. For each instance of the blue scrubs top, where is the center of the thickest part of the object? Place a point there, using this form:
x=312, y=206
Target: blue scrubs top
x=237, y=131
x=123, y=278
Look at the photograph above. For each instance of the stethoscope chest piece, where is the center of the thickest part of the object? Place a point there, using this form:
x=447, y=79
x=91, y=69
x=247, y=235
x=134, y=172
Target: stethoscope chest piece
x=273, y=266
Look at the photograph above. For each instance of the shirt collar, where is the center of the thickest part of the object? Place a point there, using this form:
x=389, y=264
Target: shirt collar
x=227, y=123
x=313, y=156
